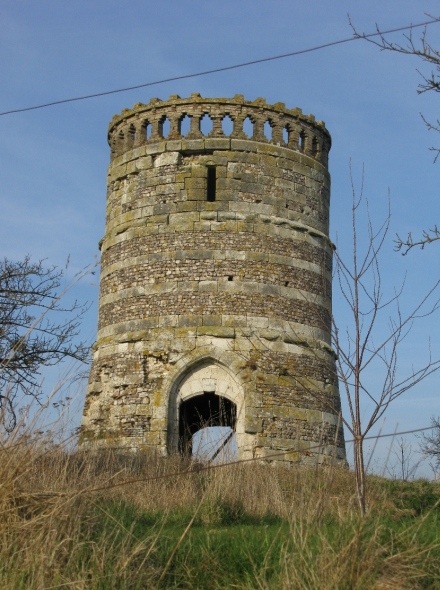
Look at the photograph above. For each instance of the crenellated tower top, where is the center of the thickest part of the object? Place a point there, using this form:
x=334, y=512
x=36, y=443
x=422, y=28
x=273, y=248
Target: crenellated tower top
x=196, y=118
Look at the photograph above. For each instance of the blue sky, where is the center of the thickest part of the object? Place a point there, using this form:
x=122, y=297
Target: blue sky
x=53, y=161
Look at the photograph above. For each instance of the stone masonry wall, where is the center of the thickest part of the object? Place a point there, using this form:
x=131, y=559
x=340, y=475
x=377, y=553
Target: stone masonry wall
x=241, y=281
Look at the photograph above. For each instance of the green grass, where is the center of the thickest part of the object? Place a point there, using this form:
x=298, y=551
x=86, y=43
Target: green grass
x=228, y=548
x=224, y=546
x=63, y=524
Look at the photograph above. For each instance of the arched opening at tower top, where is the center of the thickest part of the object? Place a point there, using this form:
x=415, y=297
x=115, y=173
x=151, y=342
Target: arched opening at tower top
x=216, y=417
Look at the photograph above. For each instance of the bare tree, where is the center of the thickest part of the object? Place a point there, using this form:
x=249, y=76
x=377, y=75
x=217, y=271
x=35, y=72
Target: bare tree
x=405, y=465
x=36, y=330
x=431, y=442
x=425, y=51
x=367, y=349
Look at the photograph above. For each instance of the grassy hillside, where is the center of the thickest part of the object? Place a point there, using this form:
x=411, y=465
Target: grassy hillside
x=112, y=522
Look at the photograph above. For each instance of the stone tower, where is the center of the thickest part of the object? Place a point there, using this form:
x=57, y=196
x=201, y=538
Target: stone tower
x=215, y=293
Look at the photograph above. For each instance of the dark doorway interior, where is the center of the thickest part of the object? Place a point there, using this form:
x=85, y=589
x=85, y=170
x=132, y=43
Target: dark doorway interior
x=203, y=411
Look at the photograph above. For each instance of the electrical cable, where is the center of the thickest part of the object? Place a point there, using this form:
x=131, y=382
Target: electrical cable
x=272, y=457
x=356, y=37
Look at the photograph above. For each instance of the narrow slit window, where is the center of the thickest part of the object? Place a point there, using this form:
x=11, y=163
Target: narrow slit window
x=211, y=184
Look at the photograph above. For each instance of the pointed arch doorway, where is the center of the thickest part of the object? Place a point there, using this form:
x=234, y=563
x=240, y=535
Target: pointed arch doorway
x=206, y=411
x=206, y=397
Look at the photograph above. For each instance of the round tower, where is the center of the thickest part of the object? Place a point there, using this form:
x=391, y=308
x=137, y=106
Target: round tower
x=215, y=293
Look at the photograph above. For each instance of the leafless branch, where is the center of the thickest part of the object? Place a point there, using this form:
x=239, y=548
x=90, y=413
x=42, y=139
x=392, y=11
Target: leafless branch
x=405, y=245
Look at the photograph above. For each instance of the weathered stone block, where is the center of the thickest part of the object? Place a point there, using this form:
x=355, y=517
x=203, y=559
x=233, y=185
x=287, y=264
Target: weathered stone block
x=217, y=331
x=155, y=148
x=195, y=183
x=208, y=286
x=217, y=143
x=212, y=320
x=211, y=215
x=168, y=159
x=189, y=320
x=191, y=145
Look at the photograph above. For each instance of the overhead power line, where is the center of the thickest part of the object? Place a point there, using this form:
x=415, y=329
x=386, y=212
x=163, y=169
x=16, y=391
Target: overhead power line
x=274, y=456
x=223, y=69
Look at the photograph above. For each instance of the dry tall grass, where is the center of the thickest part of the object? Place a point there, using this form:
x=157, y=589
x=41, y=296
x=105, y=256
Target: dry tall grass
x=51, y=502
